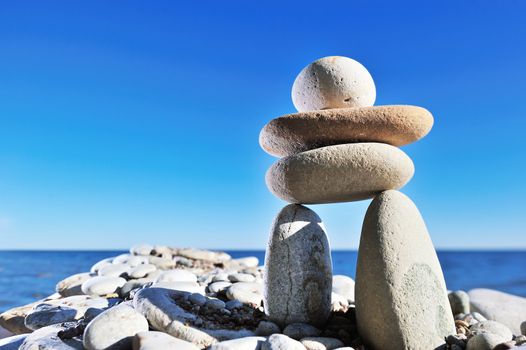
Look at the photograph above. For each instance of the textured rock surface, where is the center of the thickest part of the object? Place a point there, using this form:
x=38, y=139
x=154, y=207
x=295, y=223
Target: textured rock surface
x=298, y=268
x=333, y=82
x=484, y=341
x=340, y=173
x=47, y=339
x=399, y=281
x=114, y=328
x=300, y=132
x=505, y=308
x=159, y=341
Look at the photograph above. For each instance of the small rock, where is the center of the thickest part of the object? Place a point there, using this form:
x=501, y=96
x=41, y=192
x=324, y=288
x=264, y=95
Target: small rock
x=233, y=304
x=114, y=328
x=142, y=270
x=492, y=327
x=197, y=299
x=250, y=261
x=47, y=338
x=198, y=254
x=247, y=343
x=321, y=343
x=281, y=342
x=215, y=304
x=221, y=277
x=246, y=292
x=72, y=284
x=102, y=285
x=241, y=277
x=141, y=249
x=45, y=315
x=459, y=301
x=523, y=328
x=505, y=346
x=161, y=263
x=521, y=339
x=344, y=286
x=190, y=287
x=217, y=287
x=301, y=330
x=339, y=303
x=484, y=341
x=104, y=262
x=176, y=275
x=266, y=328
x=152, y=340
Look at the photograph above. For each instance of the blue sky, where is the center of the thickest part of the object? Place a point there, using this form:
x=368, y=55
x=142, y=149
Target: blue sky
x=127, y=122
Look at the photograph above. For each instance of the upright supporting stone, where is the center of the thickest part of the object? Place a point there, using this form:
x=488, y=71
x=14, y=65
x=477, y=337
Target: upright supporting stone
x=401, y=299
x=298, y=269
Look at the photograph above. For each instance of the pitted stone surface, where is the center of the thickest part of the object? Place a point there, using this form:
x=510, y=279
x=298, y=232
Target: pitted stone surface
x=399, y=277
x=298, y=268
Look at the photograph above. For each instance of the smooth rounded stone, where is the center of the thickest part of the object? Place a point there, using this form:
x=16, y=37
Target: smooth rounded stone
x=47, y=338
x=217, y=287
x=114, y=270
x=459, y=301
x=159, y=306
x=321, y=343
x=102, y=285
x=298, y=268
x=484, y=341
x=189, y=287
x=141, y=249
x=197, y=299
x=301, y=330
x=176, y=275
x=266, y=328
x=161, y=263
x=399, y=281
x=492, y=327
x=246, y=292
x=233, y=304
x=299, y=132
x=340, y=173
x=206, y=255
x=104, y=262
x=281, y=342
x=344, y=286
x=136, y=260
x=153, y=340
x=142, y=270
x=12, y=320
x=13, y=342
x=114, y=328
x=215, y=304
x=333, y=82
x=339, y=303
x=121, y=259
x=508, y=309
x=221, y=277
x=241, y=277
x=249, y=261
x=45, y=315
x=523, y=328
x=247, y=343
x=72, y=284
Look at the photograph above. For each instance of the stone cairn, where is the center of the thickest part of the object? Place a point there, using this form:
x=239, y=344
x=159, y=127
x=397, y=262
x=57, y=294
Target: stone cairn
x=341, y=148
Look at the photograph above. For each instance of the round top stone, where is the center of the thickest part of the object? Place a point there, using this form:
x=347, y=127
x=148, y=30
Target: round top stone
x=333, y=82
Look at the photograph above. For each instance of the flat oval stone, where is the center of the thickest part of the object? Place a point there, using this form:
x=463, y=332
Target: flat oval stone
x=114, y=328
x=401, y=298
x=153, y=340
x=341, y=173
x=72, y=284
x=298, y=269
x=102, y=285
x=299, y=132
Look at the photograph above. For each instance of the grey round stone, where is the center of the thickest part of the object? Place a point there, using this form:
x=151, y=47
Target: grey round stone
x=484, y=341
x=217, y=287
x=321, y=343
x=298, y=269
x=197, y=299
x=45, y=315
x=102, y=285
x=241, y=277
x=246, y=292
x=266, y=328
x=153, y=340
x=459, y=301
x=344, y=286
x=72, y=284
x=301, y=330
x=246, y=343
x=399, y=281
x=215, y=304
x=492, y=327
x=47, y=338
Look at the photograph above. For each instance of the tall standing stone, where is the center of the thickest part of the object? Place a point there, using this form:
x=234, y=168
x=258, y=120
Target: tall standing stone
x=401, y=299
x=298, y=268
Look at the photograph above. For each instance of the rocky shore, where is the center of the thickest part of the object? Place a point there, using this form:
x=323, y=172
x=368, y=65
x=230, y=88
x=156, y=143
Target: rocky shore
x=159, y=297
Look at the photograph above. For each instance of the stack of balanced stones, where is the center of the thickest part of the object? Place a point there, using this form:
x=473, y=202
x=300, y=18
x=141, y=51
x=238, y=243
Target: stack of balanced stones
x=338, y=147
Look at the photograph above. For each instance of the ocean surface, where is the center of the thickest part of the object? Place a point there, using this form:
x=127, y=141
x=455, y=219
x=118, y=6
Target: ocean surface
x=26, y=276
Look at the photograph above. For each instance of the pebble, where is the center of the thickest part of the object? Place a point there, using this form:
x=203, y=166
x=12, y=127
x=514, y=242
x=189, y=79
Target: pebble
x=523, y=328
x=247, y=343
x=47, y=338
x=398, y=275
x=45, y=315
x=521, y=339
x=102, y=285
x=198, y=254
x=246, y=292
x=189, y=287
x=114, y=328
x=176, y=275
x=333, y=82
x=72, y=284
x=301, y=330
x=298, y=268
x=142, y=270
x=220, y=277
x=215, y=304
x=357, y=171
x=321, y=343
x=161, y=263
x=459, y=301
x=141, y=249
x=344, y=286
x=266, y=328
x=339, y=303
x=233, y=304
x=505, y=308
x=114, y=270
x=197, y=299
x=281, y=342
x=241, y=277
x=484, y=341
x=249, y=261
x=492, y=327
x=153, y=340
x=217, y=287
x=104, y=262
x=299, y=132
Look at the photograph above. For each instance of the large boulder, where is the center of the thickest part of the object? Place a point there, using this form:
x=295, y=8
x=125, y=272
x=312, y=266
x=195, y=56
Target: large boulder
x=401, y=298
x=298, y=269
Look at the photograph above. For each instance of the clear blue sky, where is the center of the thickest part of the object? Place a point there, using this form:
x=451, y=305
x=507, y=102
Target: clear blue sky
x=132, y=121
